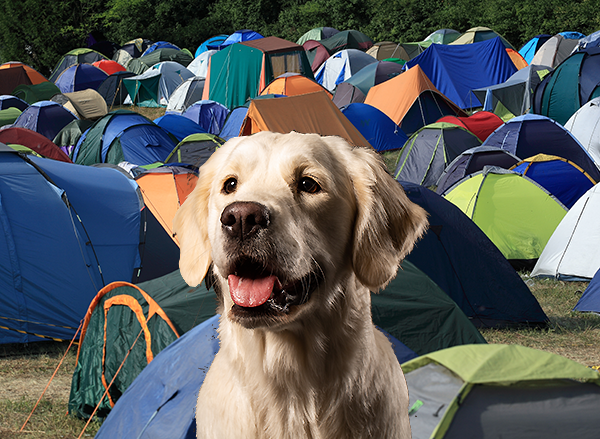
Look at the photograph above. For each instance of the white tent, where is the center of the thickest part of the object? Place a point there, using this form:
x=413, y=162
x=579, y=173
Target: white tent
x=584, y=124
x=188, y=93
x=172, y=74
x=573, y=250
x=199, y=66
x=341, y=66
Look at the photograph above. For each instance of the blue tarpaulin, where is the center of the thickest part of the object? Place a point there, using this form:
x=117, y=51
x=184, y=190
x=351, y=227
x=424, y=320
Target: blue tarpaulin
x=457, y=69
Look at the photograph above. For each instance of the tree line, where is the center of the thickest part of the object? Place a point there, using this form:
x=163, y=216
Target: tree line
x=38, y=32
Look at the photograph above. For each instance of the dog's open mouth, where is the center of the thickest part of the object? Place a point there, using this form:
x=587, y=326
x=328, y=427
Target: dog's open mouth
x=258, y=293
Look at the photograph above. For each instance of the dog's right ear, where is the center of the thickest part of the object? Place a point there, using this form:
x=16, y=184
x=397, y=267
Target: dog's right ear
x=191, y=229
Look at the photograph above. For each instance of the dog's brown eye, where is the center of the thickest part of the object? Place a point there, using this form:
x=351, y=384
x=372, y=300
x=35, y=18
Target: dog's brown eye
x=307, y=184
x=230, y=185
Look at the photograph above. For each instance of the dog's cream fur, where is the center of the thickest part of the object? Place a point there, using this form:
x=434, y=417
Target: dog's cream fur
x=322, y=369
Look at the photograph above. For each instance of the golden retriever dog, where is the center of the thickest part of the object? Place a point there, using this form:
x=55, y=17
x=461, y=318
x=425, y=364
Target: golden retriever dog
x=295, y=231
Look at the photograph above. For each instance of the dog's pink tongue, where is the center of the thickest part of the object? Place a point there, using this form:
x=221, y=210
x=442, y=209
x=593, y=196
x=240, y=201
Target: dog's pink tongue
x=250, y=292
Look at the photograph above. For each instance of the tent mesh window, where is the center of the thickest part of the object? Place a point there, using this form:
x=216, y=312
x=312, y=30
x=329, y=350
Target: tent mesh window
x=286, y=63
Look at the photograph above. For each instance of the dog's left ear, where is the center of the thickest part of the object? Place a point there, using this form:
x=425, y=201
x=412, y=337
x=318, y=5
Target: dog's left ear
x=387, y=225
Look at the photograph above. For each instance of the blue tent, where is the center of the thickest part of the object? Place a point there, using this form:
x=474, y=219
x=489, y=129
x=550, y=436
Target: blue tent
x=455, y=70
x=123, y=136
x=453, y=249
x=80, y=77
x=46, y=118
x=10, y=101
x=233, y=123
x=531, y=47
x=210, y=115
x=379, y=130
x=178, y=125
x=67, y=231
x=159, y=45
x=590, y=300
x=215, y=41
x=562, y=178
x=532, y=134
x=237, y=37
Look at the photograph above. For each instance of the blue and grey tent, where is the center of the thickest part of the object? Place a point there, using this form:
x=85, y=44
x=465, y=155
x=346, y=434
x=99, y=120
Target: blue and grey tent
x=380, y=131
x=455, y=70
x=453, y=249
x=530, y=48
x=532, y=134
x=46, y=118
x=233, y=123
x=590, y=300
x=178, y=126
x=67, y=231
x=210, y=115
x=10, y=101
x=215, y=41
x=80, y=77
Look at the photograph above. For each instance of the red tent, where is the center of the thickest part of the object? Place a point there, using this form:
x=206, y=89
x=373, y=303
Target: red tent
x=482, y=123
x=34, y=141
x=108, y=66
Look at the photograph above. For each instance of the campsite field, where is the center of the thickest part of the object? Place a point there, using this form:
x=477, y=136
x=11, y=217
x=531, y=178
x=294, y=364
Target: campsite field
x=26, y=370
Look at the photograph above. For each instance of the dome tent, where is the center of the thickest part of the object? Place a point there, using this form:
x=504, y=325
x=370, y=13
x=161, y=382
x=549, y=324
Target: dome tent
x=45, y=117
x=517, y=214
x=573, y=250
x=584, y=125
x=590, y=300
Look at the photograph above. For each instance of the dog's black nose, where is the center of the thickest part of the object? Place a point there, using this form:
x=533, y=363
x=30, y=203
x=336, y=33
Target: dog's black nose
x=243, y=219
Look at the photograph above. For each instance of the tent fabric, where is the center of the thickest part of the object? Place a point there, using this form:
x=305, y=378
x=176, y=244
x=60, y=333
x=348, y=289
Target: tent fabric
x=554, y=51
x=45, y=117
x=531, y=134
x=416, y=103
x=316, y=34
x=531, y=47
x=86, y=104
x=153, y=87
x=233, y=123
x=482, y=123
x=473, y=160
x=109, y=66
x=455, y=70
x=10, y=101
x=34, y=76
x=479, y=34
x=159, y=45
x=35, y=141
x=347, y=39
x=443, y=36
x=123, y=136
x=379, y=130
x=195, y=149
x=496, y=389
x=159, y=308
x=178, y=126
x=143, y=63
x=199, y=66
x=452, y=249
x=517, y=59
x=113, y=90
x=239, y=36
x=569, y=86
x=340, y=66
x=163, y=189
x=375, y=73
x=208, y=114
x=388, y=49
x=11, y=78
x=292, y=84
x=308, y=113
x=36, y=92
x=82, y=55
x=9, y=116
x=560, y=177
x=58, y=253
x=238, y=73
x=590, y=300
x=517, y=214
x=430, y=150
x=584, y=126
x=316, y=54
x=187, y=93
x=346, y=94
x=212, y=41
x=67, y=138
x=573, y=250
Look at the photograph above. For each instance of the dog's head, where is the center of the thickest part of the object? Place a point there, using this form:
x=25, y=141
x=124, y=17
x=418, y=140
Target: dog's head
x=282, y=218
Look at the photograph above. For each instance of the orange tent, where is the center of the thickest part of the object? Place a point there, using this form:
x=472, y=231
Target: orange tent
x=411, y=100
x=293, y=85
x=34, y=76
x=517, y=59
x=307, y=113
x=109, y=66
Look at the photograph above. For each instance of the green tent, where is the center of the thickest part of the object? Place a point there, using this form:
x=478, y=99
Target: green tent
x=517, y=214
x=36, y=92
x=417, y=312
x=9, y=115
x=501, y=391
x=143, y=63
x=195, y=149
x=145, y=318
x=242, y=70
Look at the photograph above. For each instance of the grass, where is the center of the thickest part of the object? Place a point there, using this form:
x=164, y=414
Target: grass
x=26, y=369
